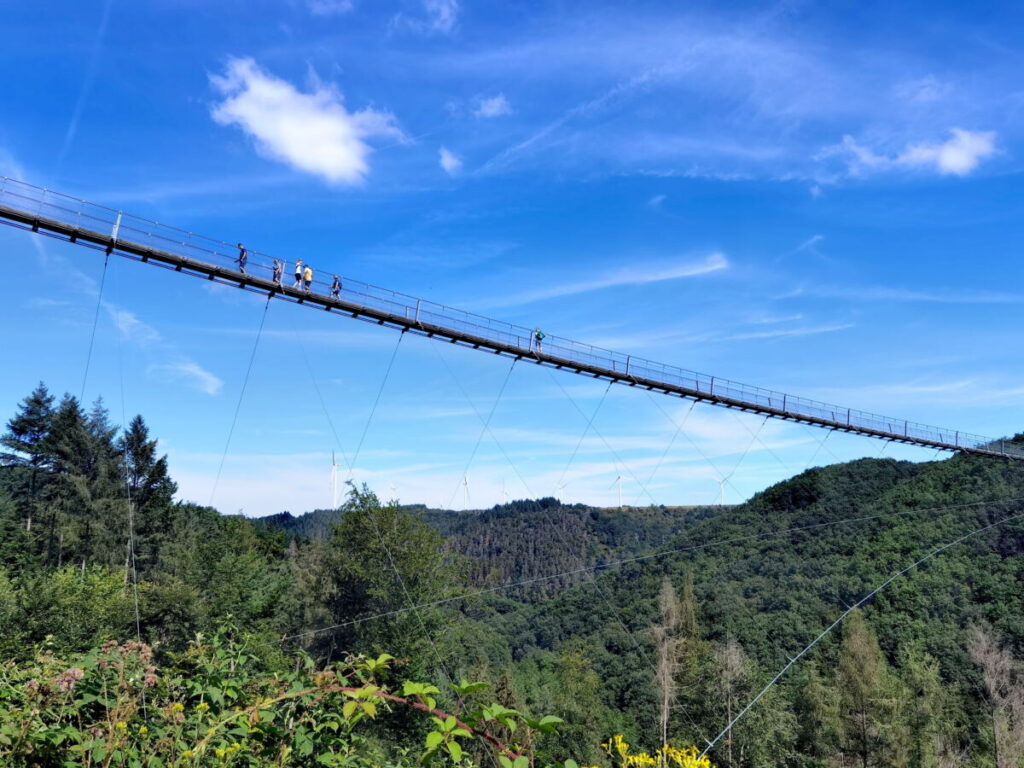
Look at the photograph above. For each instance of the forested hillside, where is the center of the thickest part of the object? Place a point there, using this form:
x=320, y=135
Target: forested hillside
x=709, y=604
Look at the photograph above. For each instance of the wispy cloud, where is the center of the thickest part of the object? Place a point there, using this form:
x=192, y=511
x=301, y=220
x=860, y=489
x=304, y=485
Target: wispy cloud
x=330, y=7
x=959, y=155
x=495, y=106
x=131, y=327
x=439, y=17
x=887, y=293
x=449, y=161
x=782, y=332
x=312, y=132
x=87, y=81
x=716, y=262
x=190, y=373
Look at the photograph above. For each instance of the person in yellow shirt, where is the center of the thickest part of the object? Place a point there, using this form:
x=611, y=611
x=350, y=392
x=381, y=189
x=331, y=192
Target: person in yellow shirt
x=307, y=276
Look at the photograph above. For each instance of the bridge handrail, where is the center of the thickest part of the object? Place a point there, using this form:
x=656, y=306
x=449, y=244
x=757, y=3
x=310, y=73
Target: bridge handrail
x=90, y=216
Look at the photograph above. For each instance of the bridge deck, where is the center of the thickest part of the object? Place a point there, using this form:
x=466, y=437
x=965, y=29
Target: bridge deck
x=39, y=210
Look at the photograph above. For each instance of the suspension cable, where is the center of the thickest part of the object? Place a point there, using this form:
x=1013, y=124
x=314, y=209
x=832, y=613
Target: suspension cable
x=95, y=322
x=133, y=572
x=480, y=417
x=847, y=612
x=241, y=396
x=376, y=402
x=484, y=430
x=765, y=536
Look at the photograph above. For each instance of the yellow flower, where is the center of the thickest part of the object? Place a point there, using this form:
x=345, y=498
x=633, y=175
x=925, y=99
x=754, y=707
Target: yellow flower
x=203, y=706
x=177, y=707
x=143, y=730
x=121, y=726
x=187, y=754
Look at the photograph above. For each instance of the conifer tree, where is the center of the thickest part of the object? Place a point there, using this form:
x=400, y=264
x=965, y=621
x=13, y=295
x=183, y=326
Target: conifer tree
x=25, y=442
x=862, y=687
x=150, y=490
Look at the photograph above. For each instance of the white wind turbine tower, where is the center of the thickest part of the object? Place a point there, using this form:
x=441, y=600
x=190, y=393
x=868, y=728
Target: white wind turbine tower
x=618, y=482
x=465, y=488
x=721, y=492
x=334, y=481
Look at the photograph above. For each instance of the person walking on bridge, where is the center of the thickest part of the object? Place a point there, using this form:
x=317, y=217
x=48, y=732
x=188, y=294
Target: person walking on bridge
x=298, y=274
x=538, y=338
x=278, y=271
x=336, y=287
x=307, y=276
x=243, y=257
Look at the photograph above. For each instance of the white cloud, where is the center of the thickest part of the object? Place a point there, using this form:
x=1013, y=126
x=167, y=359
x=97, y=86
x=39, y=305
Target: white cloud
x=643, y=275
x=925, y=90
x=496, y=106
x=329, y=7
x=439, y=17
x=451, y=162
x=131, y=327
x=190, y=373
x=657, y=200
x=782, y=332
x=312, y=132
x=958, y=155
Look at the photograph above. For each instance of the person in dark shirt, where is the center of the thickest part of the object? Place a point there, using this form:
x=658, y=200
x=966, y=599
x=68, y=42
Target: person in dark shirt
x=243, y=257
x=278, y=271
x=336, y=287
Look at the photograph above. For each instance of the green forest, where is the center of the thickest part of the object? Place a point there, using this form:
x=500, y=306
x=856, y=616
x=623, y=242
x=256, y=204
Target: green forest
x=137, y=629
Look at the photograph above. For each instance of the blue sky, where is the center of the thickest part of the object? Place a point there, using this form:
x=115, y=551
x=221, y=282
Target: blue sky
x=822, y=198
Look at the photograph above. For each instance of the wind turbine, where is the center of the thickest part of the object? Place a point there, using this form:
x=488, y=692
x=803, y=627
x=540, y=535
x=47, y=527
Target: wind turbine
x=465, y=487
x=618, y=482
x=334, y=481
x=721, y=492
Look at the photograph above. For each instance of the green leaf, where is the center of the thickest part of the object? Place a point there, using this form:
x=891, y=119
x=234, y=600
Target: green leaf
x=455, y=750
x=521, y=762
x=505, y=762
x=349, y=708
x=433, y=739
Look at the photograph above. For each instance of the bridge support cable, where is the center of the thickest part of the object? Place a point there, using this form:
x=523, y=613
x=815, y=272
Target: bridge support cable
x=721, y=475
x=92, y=334
x=410, y=603
x=484, y=430
x=668, y=449
x=320, y=397
x=757, y=438
x=241, y=397
x=591, y=428
x=846, y=613
x=373, y=409
x=480, y=417
x=560, y=484
x=767, y=536
x=131, y=567
x=43, y=211
x=615, y=612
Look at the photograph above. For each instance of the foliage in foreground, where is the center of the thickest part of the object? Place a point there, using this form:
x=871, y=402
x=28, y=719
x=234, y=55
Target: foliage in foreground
x=215, y=705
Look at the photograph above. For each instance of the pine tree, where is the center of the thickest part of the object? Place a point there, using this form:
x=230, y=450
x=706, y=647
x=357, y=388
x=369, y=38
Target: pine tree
x=150, y=490
x=862, y=683
x=25, y=440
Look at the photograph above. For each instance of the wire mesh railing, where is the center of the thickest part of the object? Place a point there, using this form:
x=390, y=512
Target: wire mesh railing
x=120, y=227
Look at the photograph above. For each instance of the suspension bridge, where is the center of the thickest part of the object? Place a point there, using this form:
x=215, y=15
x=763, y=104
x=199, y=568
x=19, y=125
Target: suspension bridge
x=114, y=232
x=61, y=216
